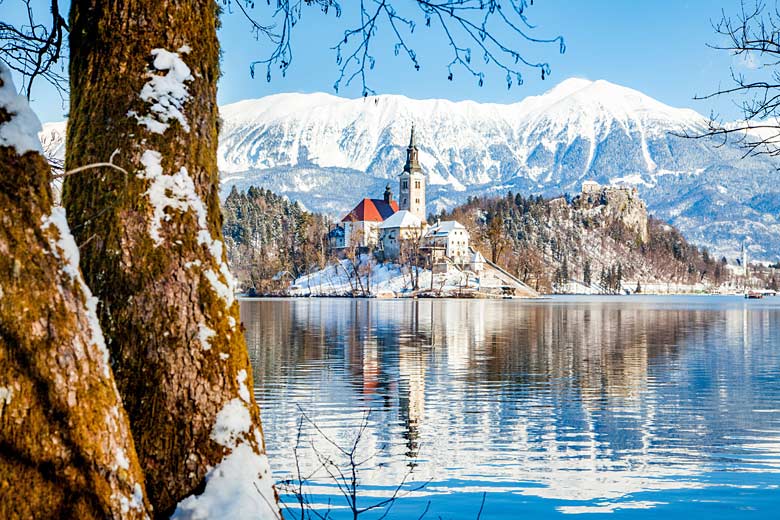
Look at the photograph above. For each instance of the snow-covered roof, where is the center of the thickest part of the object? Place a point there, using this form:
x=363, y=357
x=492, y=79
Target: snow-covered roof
x=401, y=219
x=477, y=258
x=445, y=228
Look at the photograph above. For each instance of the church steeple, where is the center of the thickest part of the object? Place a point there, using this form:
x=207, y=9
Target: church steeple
x=412, y=163
x=412, y=181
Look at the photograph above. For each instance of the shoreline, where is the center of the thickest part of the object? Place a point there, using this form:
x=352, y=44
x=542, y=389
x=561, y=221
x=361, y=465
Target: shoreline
x=461, y=297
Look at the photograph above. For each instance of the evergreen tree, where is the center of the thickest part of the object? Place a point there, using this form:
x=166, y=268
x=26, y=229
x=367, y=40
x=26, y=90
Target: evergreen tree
x=586, y=274
x=604, y=279
x=565, y=269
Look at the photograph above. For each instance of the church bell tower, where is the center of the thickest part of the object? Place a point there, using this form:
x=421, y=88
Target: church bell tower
x=412, y=182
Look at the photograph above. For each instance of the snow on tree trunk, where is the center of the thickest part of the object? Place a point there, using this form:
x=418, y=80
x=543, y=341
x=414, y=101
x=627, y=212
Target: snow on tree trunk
x=143, y=81
x=65, y=444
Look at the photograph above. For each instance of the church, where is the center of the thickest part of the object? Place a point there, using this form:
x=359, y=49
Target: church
x=385, y=225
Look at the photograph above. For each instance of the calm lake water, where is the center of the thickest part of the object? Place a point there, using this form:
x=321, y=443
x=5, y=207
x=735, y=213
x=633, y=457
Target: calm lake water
x=642, y=407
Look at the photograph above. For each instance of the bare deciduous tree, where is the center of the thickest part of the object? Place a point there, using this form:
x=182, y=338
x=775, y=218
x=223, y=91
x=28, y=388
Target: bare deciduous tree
x=411, y=255
x=342, y=470
x=479, y=33
x=752, y=35
x=33, y=49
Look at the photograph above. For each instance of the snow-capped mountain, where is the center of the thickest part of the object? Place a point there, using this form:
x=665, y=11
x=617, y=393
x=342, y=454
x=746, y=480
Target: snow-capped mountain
x=52, y=138
x=327, y=152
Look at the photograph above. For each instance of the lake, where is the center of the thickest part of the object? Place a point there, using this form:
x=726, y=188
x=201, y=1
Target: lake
x=639, y=406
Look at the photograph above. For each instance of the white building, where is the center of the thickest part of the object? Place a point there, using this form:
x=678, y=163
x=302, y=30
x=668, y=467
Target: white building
x=477, y=262
x=385, y=224
x=449, y=238
x=402, y=226
x=591, y=187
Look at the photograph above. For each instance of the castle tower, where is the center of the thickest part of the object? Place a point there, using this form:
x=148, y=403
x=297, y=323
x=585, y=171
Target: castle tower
x=412, y=182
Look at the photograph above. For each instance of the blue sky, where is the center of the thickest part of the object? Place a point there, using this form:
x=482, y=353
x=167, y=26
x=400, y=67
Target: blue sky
x=659, y=48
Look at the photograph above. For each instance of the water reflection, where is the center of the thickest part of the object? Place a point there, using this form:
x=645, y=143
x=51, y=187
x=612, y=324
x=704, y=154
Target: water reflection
x=565, y=406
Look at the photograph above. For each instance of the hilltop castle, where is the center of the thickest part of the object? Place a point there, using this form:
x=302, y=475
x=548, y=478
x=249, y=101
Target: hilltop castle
x=621, y=203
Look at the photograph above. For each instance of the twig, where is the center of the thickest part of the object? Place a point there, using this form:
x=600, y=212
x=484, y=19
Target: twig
x=109, y=164
x=346, y=478
x=463, y=24
x=482, y=505
x=32, y=49
x=754, y=34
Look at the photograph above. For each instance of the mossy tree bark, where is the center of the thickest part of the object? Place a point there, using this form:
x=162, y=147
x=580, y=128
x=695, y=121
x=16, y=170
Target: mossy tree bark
x=143, y=81
x=65, y=445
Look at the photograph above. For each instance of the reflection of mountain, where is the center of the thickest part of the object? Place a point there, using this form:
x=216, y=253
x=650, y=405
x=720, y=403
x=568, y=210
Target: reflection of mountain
x=586, y=403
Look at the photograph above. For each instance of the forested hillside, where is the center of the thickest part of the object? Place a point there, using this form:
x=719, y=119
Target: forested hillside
x=271, y=240
x=554, y=245
x=548, y=242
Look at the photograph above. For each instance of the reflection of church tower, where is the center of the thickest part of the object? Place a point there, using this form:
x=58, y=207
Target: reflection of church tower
x=412, y=182
x=411, y=397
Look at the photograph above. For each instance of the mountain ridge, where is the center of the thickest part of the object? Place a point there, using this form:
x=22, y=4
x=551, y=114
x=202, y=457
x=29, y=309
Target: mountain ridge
x=326, y=152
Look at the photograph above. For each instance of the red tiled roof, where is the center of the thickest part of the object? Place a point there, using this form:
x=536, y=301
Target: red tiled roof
x=372, y=210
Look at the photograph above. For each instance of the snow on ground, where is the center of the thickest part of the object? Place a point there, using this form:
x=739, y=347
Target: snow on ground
x=240, y=487
x=389, y=279
x=669, y=287
x=577, y=287
x=234, y=490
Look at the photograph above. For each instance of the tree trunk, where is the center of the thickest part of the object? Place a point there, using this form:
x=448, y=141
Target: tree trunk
x=65, y=444
x=143, y=79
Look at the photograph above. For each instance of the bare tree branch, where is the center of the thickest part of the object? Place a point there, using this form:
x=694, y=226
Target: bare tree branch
x=752, y=36
x=32, y=49
x=344, y=473
x=489, y=29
